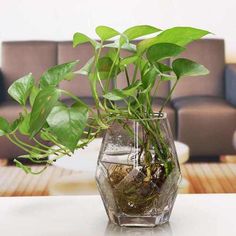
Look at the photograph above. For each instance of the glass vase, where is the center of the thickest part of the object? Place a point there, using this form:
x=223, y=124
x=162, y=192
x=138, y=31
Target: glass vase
x=138, y=171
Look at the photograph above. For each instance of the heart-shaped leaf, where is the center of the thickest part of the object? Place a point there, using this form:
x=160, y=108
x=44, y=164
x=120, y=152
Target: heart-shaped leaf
x=56, y=74
x=80, y=38
x=21, y=88
x=162, y=51
x=105, y=32
x=139, y=31
x=181, y=35
x=185, y=67
x=43, y=104
x=177, y=35
x=33, y=94
x=5, y=127
x=68, y=123
x=120, y=94
x=15, y=124
x=106, y=69
x=86, y=69
x=125, y=46
x=128, y=60
x=148, y=79
x=24, y=125
x=162, y=67
x=115, y=95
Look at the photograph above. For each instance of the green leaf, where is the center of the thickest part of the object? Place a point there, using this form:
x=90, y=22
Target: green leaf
x=177, y=35
x=184, y=67
x=56, y=74
x=130, y=90
x=167, y=77
x=104, y=66
x=162, y=70
x=128, y=60
x=80, y=38
x=162, y=67
x=5, y=127
x=139, y=31
x=16, y=123
x=144, y=66
x=115, y=95
x=68, y=123
x=181, y=35
x=120, y=94
x=112, y=53
x=86, y=69
x=126, y=46
x=105, y=32
x=148, y=79
x=21, y=89
x=33, y=94
x=43, y=104
x=24, y=125
x=162, y=51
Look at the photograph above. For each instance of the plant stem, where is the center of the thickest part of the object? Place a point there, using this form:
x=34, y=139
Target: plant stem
x=127, y=76
x=169, y=96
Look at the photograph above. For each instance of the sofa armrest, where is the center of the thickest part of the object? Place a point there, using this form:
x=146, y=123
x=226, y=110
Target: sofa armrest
x=230, y=83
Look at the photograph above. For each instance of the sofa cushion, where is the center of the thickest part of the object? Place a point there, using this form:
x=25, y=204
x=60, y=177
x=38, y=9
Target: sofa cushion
x=230, y=83
x=210, y=53
x=21, y=58
x=206, y=124
x=157, y=102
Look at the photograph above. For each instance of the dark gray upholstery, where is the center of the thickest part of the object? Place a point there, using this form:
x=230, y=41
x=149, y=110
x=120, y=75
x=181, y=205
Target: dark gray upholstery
x=206, y=124
x=210, y=53
x=230, y=83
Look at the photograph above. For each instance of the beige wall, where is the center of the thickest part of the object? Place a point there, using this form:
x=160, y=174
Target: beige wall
x=58, y=19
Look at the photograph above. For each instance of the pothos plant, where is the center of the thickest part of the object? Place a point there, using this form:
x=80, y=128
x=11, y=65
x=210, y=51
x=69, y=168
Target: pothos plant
x=45, y=116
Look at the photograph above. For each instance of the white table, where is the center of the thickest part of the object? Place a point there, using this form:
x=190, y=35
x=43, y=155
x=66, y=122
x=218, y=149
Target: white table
x=193, y=215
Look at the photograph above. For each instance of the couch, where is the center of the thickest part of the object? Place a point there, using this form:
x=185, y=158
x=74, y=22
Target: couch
x=202, y=111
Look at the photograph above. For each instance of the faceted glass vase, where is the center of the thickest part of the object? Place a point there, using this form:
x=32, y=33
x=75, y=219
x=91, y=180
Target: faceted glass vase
x=138, y=172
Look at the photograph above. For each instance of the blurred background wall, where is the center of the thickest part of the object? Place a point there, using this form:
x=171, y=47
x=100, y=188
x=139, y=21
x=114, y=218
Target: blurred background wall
x=59, y=19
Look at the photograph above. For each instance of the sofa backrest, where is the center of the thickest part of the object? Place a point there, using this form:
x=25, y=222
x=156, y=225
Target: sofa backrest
x=20, y=58
x=210, y=53
x=80, y=84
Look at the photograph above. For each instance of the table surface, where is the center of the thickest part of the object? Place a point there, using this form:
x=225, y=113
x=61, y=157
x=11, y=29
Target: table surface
x=205, y=214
